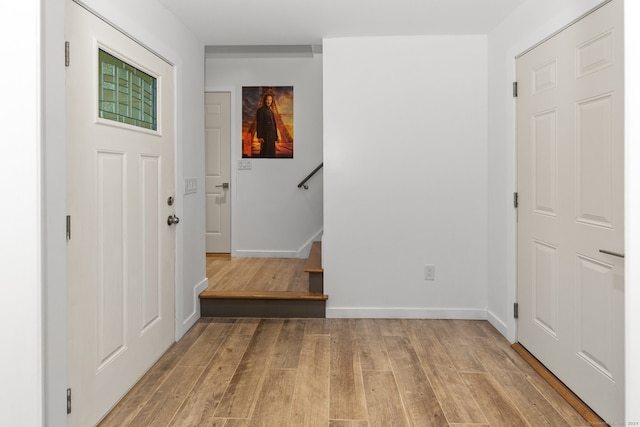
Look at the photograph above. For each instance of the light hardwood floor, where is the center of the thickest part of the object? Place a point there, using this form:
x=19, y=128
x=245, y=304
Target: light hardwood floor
x=342, y=373
x=336, y=372
x=257, y=274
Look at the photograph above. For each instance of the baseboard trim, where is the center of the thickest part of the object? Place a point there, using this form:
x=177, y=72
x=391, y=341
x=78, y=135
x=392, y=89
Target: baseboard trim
x=266, y=254
x=574, y=401
x=192, y=318
x=405, y=313
x=303, y=252
x=497, y=323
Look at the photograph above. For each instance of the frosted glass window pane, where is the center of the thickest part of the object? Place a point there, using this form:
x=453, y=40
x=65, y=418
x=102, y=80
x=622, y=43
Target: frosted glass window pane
x=126, y=94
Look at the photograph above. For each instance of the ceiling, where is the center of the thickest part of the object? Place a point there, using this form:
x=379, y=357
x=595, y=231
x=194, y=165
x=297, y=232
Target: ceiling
x=307, y=22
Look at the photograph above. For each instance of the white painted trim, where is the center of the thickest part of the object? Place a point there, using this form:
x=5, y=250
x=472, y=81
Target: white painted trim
x=190, y=320
x=54, y=209
x=405, y=313
x=497, y=323
x=303, y=251
x=265, y=254
x=178, y=195
x=121, y=30
x=559, y=30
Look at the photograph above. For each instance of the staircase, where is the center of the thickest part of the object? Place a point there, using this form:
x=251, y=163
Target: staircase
x=270, y=304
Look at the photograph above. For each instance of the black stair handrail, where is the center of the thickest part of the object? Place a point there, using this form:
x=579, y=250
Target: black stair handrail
x=303, y=183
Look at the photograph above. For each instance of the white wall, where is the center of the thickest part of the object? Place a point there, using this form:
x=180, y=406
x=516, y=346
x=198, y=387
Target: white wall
x=271, y=216
x=150, y=23
x=21, y=315
x=405, y=152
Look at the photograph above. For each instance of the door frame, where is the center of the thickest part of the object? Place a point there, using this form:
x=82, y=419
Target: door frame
x=236, y=155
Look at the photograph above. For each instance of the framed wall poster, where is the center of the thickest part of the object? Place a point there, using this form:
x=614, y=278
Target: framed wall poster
x=267, y=122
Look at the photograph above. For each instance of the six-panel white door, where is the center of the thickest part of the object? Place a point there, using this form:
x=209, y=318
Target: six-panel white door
x=121, y=252
x=217, y=166
x=570, y=181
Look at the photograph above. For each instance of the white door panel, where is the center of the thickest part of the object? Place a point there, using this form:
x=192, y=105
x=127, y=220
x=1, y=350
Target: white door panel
x=570, y=183
x=121, y=252
x=217, y=171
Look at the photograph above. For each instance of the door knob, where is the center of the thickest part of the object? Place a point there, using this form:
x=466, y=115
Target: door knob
x=173, y=220
x=225, y=186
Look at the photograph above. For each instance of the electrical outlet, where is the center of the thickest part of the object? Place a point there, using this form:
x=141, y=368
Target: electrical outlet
x=429, y=272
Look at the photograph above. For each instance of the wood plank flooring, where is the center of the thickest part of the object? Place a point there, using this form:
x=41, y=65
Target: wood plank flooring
x=257, y=274
x=342, y=373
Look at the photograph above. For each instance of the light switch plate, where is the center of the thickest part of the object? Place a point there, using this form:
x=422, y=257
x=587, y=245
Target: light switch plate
x=429, y=272
x=244, y=165
x=190, y=185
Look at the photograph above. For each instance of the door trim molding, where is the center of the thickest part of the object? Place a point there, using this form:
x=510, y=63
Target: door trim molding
x=123, y=32
x=558, y=31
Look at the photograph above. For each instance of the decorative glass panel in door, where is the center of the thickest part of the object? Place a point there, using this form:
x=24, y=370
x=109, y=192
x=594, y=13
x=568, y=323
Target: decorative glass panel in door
x=126, y=94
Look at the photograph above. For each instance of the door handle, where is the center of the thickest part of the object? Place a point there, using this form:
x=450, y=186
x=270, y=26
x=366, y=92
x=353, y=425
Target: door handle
x=172, y=220
x=224, y=185
x=604, y=251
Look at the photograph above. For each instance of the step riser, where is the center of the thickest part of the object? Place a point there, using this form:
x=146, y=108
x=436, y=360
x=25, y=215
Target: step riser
x=262, y=308
x=316, y=283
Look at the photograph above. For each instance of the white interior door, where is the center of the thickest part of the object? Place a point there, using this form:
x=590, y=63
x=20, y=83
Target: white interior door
x=218, y=165
x=570, y=183
x=119, y=176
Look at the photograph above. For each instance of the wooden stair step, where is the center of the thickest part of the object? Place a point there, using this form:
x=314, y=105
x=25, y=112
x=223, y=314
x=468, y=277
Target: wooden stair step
x=314, y=268
x=269, y=304
x=268, y=295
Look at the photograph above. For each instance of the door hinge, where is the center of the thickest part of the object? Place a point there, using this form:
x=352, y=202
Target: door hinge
x=515, y=200
x=66, y=53
x=68, y=227
x=68, y=401
x=515, y=310
x=515, y=89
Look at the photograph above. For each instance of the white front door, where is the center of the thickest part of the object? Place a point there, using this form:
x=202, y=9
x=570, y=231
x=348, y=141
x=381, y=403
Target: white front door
x=571, y=204
x=120, y=173
x=218, y=165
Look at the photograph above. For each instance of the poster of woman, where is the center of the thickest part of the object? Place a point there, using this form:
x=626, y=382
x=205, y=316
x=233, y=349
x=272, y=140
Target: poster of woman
x=267, y=122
